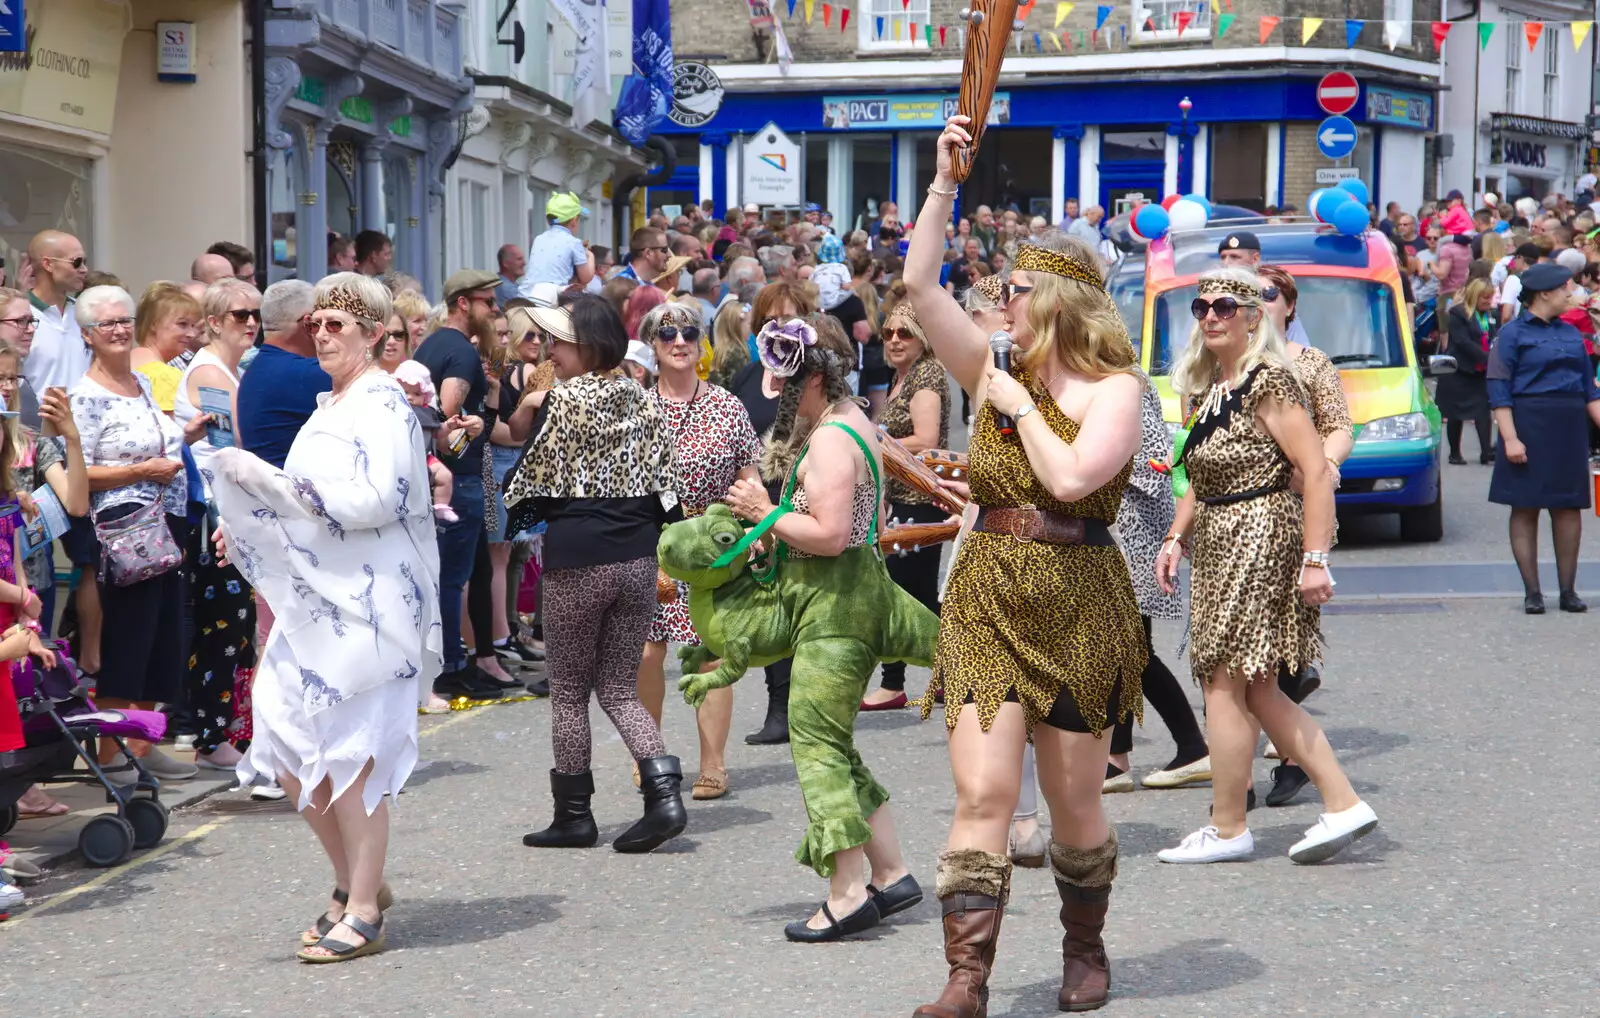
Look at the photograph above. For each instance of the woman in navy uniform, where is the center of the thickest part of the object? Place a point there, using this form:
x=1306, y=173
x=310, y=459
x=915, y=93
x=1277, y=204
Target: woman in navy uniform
x=1543, y=394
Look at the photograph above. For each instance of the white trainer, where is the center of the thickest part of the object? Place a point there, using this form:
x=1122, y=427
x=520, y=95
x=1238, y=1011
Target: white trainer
x=1206, y=845
x=1333, y=833
x=1271, y=752
x=10, y=896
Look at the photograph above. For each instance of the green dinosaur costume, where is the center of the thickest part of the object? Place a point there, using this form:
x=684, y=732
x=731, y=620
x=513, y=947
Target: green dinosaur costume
x=837, y=617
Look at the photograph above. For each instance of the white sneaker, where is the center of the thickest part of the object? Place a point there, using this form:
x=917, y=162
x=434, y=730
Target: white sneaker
x=1206, y=845
x=10, y=896
x=1333, y=833
x=1188, y=774
x=1271, y=752
x=263, y=793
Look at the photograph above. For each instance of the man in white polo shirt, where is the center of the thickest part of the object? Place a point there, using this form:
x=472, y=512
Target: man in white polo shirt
x=59, y=356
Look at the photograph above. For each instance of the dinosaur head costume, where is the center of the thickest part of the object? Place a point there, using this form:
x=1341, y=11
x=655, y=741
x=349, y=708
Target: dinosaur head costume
x=689, y=551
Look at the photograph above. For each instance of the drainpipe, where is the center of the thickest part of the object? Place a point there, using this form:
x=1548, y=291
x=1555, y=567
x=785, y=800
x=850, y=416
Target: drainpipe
x=663, y=154
x=258, y=142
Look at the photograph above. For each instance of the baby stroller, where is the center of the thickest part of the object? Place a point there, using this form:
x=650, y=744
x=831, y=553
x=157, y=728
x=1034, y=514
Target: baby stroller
x=61, y=725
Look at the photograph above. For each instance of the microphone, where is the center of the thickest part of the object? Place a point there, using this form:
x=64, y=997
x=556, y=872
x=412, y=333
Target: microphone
x=1000, y=345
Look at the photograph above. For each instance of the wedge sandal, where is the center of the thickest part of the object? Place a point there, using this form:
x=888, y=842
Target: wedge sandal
x=343, y=951
x=324, y=925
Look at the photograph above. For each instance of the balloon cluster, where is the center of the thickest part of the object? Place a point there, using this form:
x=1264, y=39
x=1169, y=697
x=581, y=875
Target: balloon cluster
x=1343, y=207
x=1176, y=212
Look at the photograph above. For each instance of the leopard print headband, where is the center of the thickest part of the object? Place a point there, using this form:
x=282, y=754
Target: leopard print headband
x=990, y=287
x=1031, y=258
x=1231, y=287
x=348, y=302
x=906, y=311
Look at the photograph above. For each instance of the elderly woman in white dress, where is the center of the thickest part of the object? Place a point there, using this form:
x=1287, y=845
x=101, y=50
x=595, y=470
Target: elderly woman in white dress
x=341, y=545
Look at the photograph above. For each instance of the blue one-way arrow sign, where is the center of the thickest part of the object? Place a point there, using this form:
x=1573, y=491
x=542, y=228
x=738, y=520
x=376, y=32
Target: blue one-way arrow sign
x=1336, y=137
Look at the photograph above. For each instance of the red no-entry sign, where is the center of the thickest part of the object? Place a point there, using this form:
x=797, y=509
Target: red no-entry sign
x=1337, y=92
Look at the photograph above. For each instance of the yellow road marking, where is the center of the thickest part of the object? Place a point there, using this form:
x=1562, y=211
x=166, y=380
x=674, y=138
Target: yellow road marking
x=106, y=876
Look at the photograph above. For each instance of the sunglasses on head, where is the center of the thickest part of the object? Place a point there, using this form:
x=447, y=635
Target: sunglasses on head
x=1270, y=293
x=672, y=334
x=243, y=315
x=903, y=332
x=1225, y=308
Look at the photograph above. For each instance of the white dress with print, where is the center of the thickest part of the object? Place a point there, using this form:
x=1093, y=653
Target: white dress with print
x=341, y=544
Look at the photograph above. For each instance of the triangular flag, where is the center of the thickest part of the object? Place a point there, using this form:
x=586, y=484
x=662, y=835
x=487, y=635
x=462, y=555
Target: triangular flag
x=811, y=7
x=1216, y=6
x=791, y=8
x=1038, y=43
x=1055, y=40
x=1124, y=30
x=1023, y=10
x=1062, y=10
x=911, y=32
x=844, y=17
x=827, y=12
x=1440, y=30
x=1394, y=32
x=1308, y=28
x=1531, y=30
x=905, y=5
x=1101, y=13
x=1224, y=22
x=1149, y=24
x=877, y=25
x=1268, y=23
x=895, y=28
x=1184, y=19
x=1485, y=31
x=1352, y=31
x=1580, y=32
x=941, y=36
x=961, y=36
x=927, y=33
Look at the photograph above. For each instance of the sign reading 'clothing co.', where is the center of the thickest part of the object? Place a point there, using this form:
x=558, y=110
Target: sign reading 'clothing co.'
x=68, y=73
x=865, y=112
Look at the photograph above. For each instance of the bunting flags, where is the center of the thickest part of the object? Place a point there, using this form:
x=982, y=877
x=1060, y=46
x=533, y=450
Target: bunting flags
x=941, y=37
x=1485, y=31
x=1184, y=19
x=844, y=17
x=1440, y=30
x=810, y=9
x=1308, y=28
x=1268, y=23
x=1580, y=32
x=1025, y=9
x=1224, y=22
x=827, y=12
x=1038, y=44
x=1531, y=30
x=1062, y=10
x=791, y=8
x=1395, y=32
x=877, y=28
x=1352, y=31
x=1101, y=13
x=911, y=32
x=1055, y=40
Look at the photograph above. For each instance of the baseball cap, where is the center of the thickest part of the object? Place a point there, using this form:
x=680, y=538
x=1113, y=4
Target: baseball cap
x=812, y=206
x=1239, y=240
x=1455, y=195
x=563, y=206
x=642, y=355
x=467, y=280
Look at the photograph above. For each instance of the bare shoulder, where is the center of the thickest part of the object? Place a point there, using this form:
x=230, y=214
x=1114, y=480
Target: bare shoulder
x=1123, y=391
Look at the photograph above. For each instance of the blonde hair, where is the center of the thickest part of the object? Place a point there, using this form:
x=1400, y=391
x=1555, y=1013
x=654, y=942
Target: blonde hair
x=729, y=350
x=1074, y=321
x=1494, y=247
x=370, y=293
x=221, y=294
x=161, y=302
x=1473, y=292
x=520, y=319
x=409, y=304
x=1196, y=367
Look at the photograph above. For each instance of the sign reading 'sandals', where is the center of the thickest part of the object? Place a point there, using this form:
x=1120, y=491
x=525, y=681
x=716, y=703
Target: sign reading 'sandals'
x=696, y=95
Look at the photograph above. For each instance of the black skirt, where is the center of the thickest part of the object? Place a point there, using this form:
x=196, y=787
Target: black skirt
x=1463, y=396
x=1555, y=430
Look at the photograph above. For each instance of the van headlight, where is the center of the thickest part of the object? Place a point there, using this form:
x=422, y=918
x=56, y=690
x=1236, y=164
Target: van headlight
x=1398, y=428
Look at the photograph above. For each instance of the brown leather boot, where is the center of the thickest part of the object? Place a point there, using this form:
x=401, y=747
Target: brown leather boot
x=1083, y=879
x=973, y=886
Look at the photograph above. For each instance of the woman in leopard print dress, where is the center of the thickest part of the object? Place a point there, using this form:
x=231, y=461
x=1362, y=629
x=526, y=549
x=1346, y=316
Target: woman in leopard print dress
x=1260, y=563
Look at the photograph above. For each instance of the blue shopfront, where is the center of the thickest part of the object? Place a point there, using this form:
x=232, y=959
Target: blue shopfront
x=1106, y=143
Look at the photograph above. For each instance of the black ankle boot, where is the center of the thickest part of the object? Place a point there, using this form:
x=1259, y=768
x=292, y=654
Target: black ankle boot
x=775, y=730
x=664, y=816
x=574, y=825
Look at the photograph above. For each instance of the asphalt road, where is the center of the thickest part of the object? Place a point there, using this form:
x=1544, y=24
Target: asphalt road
x=1465, y=723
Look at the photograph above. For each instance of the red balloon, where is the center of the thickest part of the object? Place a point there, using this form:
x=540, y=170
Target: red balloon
x=1169, y=200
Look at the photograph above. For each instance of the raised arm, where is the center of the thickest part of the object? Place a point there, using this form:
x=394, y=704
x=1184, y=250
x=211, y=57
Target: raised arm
x=962, y=346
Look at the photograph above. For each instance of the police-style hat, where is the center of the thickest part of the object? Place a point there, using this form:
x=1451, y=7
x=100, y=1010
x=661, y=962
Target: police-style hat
x=1239, y=240
x=1544, y=276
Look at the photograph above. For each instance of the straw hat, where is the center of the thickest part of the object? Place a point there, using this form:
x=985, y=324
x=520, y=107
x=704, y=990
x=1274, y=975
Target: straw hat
x=668, y=278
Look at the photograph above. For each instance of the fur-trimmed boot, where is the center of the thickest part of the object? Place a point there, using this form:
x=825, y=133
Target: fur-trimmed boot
x=973, y=887
x=1083, y=879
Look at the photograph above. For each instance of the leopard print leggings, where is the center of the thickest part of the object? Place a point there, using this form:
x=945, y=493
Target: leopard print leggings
x=595, y=620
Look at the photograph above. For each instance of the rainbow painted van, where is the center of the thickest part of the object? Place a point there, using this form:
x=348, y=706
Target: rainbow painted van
x=1352, y=308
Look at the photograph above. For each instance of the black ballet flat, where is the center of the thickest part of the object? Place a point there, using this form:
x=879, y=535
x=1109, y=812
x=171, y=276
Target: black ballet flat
x=862, y=919
x=1571, y=602
x=1533, y=604
x=897, y=897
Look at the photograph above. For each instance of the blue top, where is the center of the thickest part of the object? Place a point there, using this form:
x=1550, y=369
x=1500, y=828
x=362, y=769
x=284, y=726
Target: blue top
x=554, y=257
x=1533, y=357
x=276, y=396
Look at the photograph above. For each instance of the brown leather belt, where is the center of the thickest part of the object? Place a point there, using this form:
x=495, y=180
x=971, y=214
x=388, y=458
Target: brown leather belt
x=1029, y=524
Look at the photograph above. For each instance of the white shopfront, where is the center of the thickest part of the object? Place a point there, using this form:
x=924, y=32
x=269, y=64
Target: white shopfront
x=1533, y=157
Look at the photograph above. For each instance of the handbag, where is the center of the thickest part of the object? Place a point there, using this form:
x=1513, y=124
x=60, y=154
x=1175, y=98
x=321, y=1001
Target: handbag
x=138, y=546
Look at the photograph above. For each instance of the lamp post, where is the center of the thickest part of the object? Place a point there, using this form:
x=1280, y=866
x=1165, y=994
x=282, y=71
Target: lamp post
x=1185, y=149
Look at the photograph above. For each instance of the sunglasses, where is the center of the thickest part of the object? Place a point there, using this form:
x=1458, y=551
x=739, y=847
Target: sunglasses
x=400, y=334
x=335, y=326
x=77, y=263
x=1224, y=307
x=243, y=315
x=1011, y=291
x=903, y=332
x=671, y=334
x=1270, y=293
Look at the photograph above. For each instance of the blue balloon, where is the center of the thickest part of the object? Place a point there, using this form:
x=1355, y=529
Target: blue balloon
x=1350, y=218
x=1151, y=222
x=1200, y=200
x=1314, y=201
x=1332, y=199
x=1357, y=189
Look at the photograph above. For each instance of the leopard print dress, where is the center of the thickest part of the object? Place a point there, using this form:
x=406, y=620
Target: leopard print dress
x=1245, y=612
x=1034, y=619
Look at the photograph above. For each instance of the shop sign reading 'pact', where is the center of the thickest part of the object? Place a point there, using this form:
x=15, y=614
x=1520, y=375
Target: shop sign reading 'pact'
x=867, y=112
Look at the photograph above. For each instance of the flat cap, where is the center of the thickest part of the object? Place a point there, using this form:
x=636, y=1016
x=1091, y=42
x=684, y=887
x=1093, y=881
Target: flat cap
x=467, y=280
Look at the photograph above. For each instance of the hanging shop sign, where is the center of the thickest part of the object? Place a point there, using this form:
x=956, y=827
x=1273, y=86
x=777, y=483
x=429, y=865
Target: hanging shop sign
x=696, y=94
x=68, y=74
x=1399, y=109
x=1520, y=152
x=873, y=112
x=771, y=168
